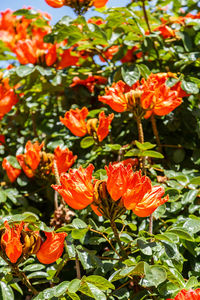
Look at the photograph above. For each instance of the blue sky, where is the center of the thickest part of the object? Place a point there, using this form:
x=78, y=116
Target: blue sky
x=56, y=13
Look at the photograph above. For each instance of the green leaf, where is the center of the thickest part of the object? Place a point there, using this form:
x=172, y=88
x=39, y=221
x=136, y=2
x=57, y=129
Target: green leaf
x=195, y=180
x=100, y=282
x=23, y=71
x=183, y=234
x=192, y=225
x=87, y=142
x=28, y=13
x=178, y=155
x=61, y=288
x=144, y=70
x=134, y=152
x=189, y=197
x=37, y=275
x=78, y=223
x=151, y=153
x=144, y=146
x=130, y=74
x=73, y=296
x=191, y=283
x=32, y=268
x=3, y=196
x=78, y=234
x=74, y=286
x=6, y=291
x=189, y=87
x=155, y=275
x=13, y=161
x=92, y=291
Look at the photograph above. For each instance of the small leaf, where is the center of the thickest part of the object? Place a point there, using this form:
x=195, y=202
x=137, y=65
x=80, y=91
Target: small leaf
x=130, y=74
x=74, y=286
x=189, y=87
x=13, y=161
x=100, y=282
x=151, y=153
x=195, y=180
x=144, y=70
x=144, y=146
x=32, y=268
x=6, y=291
x=87, y=142
x=23, y=71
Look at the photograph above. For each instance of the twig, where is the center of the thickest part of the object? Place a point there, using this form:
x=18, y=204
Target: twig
x=99, y=232
x=116, y=234
x=155, y=132
x=77, y=266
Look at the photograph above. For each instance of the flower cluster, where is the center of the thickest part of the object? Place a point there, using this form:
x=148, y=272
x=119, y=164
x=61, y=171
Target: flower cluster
x=35, y=158
x=77, y=5
x=74, y=120
x=89, y=82
x=19, y=241
x=25, y=39
x=151, y=96
x=123, y=189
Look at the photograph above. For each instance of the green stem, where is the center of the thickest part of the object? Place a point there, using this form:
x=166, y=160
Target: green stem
x=116, y=234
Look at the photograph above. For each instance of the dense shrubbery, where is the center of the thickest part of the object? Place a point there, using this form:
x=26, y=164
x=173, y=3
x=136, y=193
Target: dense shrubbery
x=99, y=144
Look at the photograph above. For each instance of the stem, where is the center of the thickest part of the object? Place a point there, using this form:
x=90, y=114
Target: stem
x=140, y=130
x=77, y=266
x=103, y=235
x=141, y=140
x=155, y=132
x=34, y=124
x=149, y=28
x=146, y=16
x=116, y=234
x=20, y=275
x=151, y=224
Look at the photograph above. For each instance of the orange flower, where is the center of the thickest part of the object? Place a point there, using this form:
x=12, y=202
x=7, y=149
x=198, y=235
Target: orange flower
x=115, y=96
x=157, y=98
x=2, y=139
x=165, y=31
x=64, y=159
x=31, y=159
x=55, y=3
x=118, y=178
x=103, y=127
x=52, y=248
x=108, y=54
x=99, y=3
x=74, y=120
x=12, y=172
x=89, y=82
x=187, y=295
x=67, y=59
x=8, y=98
x=96, y=21
x=131, y=55
x=26, y=52
x=51, y=56
x=76, y=187
x=141, y=197
x=10, y=241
